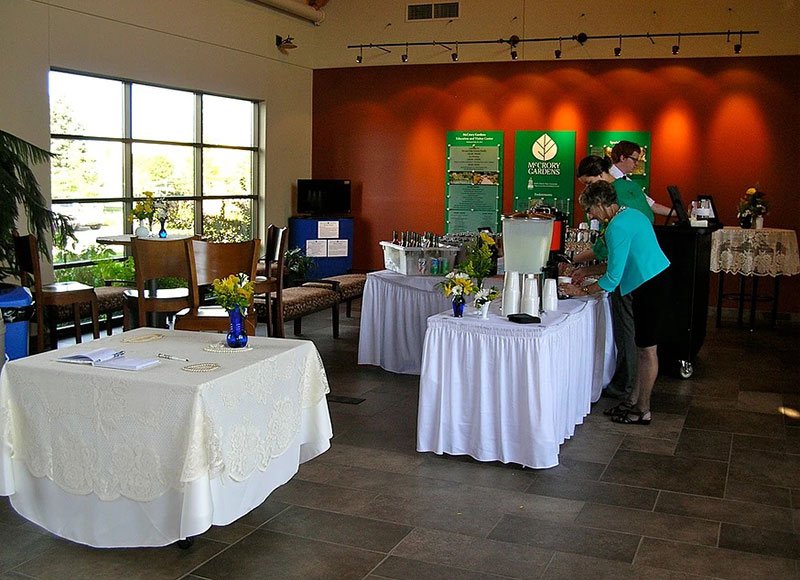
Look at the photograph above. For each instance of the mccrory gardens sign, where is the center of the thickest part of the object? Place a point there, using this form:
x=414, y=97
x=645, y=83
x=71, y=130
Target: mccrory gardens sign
x=544, y=167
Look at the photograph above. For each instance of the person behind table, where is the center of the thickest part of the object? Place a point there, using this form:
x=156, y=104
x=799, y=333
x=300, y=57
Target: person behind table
x=590, y=170
x=625, y=155
x=638, y=267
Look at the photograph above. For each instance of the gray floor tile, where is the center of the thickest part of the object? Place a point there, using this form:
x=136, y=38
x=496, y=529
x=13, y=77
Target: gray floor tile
x=760, y=541
x=474, y=554
x=69, y=560
x=757, y=493
x=265, y=554
x=405, y=569
x=567, y=538
x=649, y=445
x=704, y=444
x=19, y=544
x=765, y=467
x=734, y=421
x=594, y=491
x=576, y=567
x=338, y=528
x=715, y=562
x=648, y=523
x=684, y=474
x=721, y=510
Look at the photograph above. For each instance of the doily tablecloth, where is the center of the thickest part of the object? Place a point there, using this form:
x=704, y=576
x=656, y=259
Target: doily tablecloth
x=139, y=434
x=764, y=252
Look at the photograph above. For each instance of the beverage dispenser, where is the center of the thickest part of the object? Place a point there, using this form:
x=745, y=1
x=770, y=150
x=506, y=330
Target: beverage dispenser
x=526, y=245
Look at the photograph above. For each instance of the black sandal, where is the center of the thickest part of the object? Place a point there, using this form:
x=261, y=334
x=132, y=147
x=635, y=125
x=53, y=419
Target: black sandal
x=632, y=418
x=620, y=409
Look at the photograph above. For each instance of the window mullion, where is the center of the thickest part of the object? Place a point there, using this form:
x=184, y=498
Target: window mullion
x=127, y=157
x=198, y=162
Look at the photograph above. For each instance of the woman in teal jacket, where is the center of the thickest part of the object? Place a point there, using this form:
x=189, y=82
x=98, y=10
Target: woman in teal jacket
x=636, y=265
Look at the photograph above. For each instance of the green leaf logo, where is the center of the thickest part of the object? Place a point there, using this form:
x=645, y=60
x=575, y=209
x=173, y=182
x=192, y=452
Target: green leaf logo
x=544, y=148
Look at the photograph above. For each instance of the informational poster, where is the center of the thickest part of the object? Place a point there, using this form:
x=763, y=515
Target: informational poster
x=474, y=180
x=317, y=248
x=337, y=248
x=544, y=169
x=601, y=143
x=328, y=229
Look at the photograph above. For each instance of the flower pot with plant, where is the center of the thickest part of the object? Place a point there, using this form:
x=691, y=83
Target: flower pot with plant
x=296, y=266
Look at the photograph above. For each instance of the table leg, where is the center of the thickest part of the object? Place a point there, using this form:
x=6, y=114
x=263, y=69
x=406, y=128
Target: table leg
x=720, y=294
x=775, y=300
x=753, y=298
x=741, y=299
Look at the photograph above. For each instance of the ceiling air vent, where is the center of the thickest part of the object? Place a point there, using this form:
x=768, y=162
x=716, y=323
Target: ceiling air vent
x=432, y=10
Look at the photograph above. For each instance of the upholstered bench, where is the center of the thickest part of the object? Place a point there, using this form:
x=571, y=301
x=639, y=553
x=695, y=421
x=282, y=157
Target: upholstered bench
x=351, y=286
x=300, y=301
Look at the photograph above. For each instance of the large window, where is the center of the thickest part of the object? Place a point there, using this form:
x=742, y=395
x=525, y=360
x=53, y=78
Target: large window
x=115, y=140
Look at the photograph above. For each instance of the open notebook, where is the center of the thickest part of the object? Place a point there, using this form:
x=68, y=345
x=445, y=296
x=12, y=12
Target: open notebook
x=110, y=359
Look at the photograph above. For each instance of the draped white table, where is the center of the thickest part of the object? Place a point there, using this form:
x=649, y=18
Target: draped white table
x=114, y=458
x=500, y=391
x=394, y=312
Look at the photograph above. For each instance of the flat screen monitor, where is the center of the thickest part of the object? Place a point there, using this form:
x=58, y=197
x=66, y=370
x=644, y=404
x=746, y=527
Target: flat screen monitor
x=677, y=206
x=323, y=197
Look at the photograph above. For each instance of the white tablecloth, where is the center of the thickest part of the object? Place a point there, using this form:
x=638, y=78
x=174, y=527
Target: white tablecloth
x=394, y=313
x=118, y=458
x=500, y=391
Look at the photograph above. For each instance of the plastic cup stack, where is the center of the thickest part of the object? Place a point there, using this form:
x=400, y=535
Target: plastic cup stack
x=550, y=296
x=511, y=293
x=530, y=295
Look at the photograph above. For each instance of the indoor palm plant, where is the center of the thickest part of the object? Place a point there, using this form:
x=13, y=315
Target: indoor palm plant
x=19, y=188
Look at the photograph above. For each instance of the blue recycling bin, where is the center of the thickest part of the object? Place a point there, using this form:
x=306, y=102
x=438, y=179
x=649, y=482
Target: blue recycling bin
x=16, y=305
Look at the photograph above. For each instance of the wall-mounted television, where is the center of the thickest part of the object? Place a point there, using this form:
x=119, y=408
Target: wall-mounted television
x=323, y=197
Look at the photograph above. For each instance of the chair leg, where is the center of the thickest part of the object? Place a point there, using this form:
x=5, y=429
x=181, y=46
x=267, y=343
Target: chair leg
x=52, y=324
x=298, y=326
x=76, y=317
x=268, y=303
x=277, y=320
x=126, y=316
x=349, y=308
x=95, y=319
x=335, y=319
x=40, y=330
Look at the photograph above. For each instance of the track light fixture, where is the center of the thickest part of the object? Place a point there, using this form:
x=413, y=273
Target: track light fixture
x=360, y=57
x=284, y=43
x=581, y=38
x=404, y=56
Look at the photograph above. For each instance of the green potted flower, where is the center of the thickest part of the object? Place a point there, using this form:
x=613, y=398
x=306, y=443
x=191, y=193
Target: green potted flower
x=296, y=267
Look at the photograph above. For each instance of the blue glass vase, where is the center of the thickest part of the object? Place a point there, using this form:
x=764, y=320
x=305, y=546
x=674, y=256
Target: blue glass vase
x=458, y=306
x=162, y=233
x=237, y=337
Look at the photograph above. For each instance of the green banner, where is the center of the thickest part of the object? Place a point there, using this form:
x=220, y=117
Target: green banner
x=474, y=178
x=544, y=168
x=601, y=142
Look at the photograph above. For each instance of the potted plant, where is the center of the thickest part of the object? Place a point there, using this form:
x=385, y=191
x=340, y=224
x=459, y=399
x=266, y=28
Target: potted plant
x=296, y=267
x=19, y=188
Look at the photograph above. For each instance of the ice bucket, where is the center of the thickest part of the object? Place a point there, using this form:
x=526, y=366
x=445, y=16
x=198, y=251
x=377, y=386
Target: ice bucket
x=526, y=243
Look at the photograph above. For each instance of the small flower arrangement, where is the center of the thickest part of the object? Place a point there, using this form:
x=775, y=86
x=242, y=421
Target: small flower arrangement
x=234, y=291
x=485, y=296
x=457, y=285
x=160, y=210
x=481, y=258
x=144, y=209
x=752, y=204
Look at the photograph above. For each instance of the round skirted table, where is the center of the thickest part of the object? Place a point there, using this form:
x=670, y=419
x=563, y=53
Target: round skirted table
x=752, y=254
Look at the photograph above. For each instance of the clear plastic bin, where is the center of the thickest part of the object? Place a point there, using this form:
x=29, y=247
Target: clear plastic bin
x=415, y=261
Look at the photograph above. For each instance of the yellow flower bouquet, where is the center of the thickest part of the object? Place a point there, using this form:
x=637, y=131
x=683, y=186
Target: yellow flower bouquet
x=144, y=209
x=235, y=291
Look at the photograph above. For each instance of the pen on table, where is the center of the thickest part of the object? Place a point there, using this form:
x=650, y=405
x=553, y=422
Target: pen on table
x=170, y=357
x=119, y=354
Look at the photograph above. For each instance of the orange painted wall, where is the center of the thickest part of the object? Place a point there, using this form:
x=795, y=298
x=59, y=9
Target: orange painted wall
x=717, y=127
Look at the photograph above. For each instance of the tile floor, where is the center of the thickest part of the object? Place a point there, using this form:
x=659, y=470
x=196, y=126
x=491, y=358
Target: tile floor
x=711, y=489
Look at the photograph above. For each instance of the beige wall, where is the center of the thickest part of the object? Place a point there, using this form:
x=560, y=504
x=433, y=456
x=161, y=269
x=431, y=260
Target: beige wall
x=373, y=21
x=220, y=46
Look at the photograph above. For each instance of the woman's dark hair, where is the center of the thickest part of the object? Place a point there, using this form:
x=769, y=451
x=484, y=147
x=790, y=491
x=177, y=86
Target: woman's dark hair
x=598, y=193
x=593, y=166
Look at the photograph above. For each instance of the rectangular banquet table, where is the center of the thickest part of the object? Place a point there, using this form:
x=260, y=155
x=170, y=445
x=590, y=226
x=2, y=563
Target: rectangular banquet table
x=114, y=458
x=500, y=391
x=394, y=311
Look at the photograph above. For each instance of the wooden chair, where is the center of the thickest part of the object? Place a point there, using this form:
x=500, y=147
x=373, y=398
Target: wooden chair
x=270, y=285
x=52, y=296
x=211, y=261
x=154, y=259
